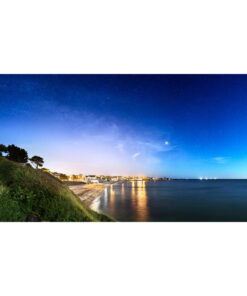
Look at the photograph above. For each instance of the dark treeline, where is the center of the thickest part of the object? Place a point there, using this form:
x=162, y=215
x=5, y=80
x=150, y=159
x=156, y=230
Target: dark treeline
x=20, y=155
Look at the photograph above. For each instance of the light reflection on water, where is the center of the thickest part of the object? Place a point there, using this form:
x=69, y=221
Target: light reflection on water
x=139, y=200
x=117, y=199
x=142, y=208
x=133, y=195
x=106, y=196
x=123, y=194
x=112, y=199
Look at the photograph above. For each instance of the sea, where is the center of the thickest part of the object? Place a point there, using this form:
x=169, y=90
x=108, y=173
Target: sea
x=175, y=201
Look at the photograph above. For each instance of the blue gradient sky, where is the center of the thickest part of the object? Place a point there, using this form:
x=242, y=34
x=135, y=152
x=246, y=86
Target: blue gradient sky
x=160, y=125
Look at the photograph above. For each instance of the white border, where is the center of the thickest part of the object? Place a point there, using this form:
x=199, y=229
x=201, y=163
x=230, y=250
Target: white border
x=123, y=37
x=130, y=36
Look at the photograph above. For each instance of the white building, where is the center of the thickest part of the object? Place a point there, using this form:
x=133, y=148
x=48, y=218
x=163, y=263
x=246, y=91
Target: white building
x=92, y=179
x=116, y=178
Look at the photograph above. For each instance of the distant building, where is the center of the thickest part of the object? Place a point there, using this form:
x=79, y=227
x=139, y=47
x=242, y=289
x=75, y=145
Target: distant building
x=82, y=178
x=77, y=178
x=92, y=179
x=116, y=178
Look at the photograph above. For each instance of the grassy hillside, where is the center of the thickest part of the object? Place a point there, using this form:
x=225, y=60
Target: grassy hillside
x=26, y=193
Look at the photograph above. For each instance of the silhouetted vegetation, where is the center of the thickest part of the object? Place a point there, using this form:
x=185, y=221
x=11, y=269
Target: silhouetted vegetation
x=17, y=154
x=3, y=149
x=37, y=160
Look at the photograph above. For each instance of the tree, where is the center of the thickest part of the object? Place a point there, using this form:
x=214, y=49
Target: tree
x=63, y=177
x=3, y=148
x=39, y=161
x=17, y=154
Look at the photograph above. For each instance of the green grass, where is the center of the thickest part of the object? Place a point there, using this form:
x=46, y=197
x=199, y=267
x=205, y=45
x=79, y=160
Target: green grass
x=26, y=191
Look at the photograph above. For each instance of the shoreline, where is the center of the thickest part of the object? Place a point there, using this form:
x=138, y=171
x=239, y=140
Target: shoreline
x=87, y=193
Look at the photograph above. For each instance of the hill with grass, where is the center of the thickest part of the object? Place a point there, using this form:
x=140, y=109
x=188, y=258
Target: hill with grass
x=28, y=194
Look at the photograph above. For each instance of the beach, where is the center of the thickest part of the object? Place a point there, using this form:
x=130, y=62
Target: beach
x=88, y=192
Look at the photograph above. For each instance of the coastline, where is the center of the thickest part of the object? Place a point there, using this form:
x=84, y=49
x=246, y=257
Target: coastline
x=87, y=193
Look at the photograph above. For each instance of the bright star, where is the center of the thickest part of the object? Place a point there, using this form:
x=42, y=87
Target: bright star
x=166, y=142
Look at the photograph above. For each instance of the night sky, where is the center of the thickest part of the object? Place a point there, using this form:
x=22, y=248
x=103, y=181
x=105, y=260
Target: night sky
x=187, y=126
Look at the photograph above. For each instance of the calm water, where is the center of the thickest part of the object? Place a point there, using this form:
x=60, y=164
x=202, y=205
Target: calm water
x=190, y=200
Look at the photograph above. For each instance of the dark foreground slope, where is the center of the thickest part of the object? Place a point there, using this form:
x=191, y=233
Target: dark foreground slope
x=26, y=194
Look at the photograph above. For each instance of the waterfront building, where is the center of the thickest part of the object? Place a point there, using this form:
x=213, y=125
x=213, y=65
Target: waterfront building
x=77, y=178
x=92, y=179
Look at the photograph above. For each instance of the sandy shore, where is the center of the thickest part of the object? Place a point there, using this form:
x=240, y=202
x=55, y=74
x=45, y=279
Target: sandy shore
x=88, y=192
